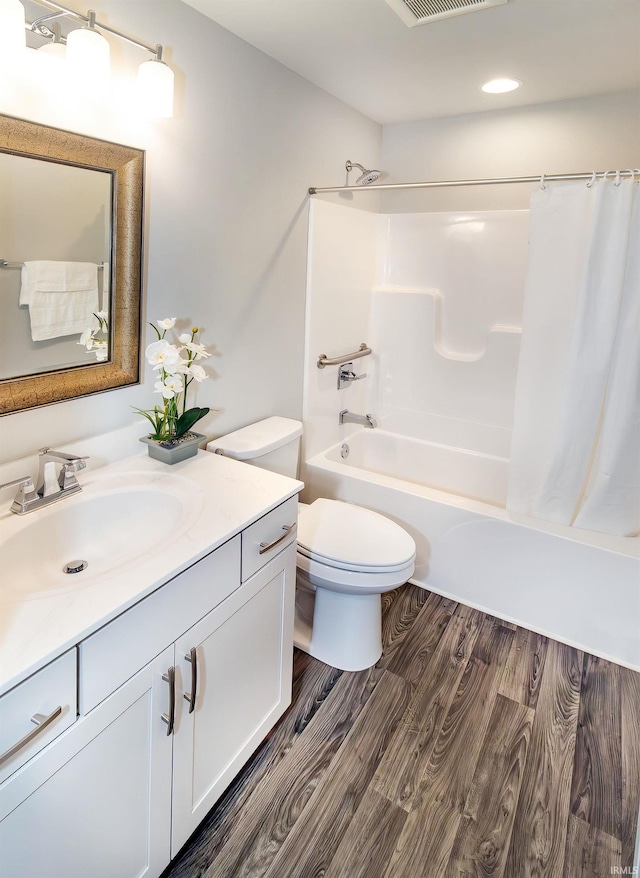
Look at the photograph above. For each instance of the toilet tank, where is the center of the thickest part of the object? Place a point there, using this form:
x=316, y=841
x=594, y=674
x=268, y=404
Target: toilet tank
x=272, y=444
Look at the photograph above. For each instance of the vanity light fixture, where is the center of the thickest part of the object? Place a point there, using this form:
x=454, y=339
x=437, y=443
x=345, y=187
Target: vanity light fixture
x=501, y=86
x=88, y=56
x=12, y=38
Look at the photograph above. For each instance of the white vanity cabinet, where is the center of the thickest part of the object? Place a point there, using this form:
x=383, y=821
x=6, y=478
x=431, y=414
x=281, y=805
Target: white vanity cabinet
x=96, y=803
x=241, y=654
x=174, y=696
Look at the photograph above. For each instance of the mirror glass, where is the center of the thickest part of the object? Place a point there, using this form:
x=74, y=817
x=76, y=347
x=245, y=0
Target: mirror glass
x=56, y=218
x=70, y=264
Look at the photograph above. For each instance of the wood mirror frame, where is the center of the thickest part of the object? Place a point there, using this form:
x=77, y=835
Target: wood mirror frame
x=126, y=165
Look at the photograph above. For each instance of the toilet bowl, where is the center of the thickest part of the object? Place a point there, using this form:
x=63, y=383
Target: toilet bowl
x=347, y=556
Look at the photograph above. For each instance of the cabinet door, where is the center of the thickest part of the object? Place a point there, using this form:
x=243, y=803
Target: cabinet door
x=243, y=660
x=96, y=803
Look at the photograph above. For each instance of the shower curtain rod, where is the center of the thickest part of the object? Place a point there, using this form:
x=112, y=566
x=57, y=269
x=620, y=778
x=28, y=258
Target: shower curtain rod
x=539, y=178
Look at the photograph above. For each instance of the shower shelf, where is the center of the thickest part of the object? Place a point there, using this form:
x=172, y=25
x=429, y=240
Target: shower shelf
x=438, y=299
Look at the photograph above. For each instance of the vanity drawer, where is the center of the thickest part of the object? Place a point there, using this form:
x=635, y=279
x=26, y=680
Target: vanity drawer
x=115, y=653
x=48, y=696
x=268, y=536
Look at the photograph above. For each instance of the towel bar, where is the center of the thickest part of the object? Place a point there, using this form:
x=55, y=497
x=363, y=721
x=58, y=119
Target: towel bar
x=5, y=264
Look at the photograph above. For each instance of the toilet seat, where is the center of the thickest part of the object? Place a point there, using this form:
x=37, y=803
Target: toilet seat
x=353, y=539
x=338, y=579
x=338, y=564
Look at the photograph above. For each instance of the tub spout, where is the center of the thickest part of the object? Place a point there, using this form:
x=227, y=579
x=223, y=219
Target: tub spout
x=347, y=417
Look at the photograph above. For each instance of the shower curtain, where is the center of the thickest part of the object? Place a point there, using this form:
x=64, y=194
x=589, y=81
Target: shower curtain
x=575, y=456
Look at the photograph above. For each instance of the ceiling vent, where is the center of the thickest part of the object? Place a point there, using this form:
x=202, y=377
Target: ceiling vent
x=414, y=12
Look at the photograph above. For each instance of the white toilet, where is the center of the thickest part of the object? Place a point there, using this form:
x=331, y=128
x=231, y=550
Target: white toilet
x=347, y=556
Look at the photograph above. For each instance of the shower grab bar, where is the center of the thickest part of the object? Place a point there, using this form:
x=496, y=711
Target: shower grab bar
x=5, y=264
x=363, y=351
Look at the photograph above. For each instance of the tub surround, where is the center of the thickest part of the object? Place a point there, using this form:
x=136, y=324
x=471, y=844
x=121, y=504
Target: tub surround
x=227, y=497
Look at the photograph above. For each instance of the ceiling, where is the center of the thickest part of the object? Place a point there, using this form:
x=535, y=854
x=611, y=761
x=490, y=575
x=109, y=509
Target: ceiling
x=361, y=52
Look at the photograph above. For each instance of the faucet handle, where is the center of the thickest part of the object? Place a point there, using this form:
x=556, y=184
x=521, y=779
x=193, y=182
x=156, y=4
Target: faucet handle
x=26, y=493
x=67, y=478
x=346, y=375
x=25, y=481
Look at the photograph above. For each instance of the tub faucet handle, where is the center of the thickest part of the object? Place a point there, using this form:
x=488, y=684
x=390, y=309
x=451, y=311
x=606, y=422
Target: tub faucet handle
x=346, y=375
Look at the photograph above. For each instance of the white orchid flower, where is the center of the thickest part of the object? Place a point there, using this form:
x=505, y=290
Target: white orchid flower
x=167, y=392
x=185, y=338
x=198, y=350
x=174, y=383
x=180, y=367
x=86, y=339
x=167, y=323
x=197, y=372
x=101, y=351
x=161, y=354
x=169, y=388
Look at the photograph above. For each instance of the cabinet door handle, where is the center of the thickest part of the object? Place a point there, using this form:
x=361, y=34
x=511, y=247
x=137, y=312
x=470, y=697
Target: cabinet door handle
x=169, y=719
x=265, y=547
x=41, y=722
x=192, y=656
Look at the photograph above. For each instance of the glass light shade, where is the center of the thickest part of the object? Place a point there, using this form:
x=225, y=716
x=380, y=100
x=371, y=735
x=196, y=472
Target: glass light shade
x=88, y=61
x=501, y=86
x=54, y=50
x=12, y=34
x=155, y=88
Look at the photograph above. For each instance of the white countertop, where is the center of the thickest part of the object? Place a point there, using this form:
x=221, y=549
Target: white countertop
x=227, y=497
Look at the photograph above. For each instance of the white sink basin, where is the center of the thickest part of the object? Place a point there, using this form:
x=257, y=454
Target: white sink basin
x=115, y=521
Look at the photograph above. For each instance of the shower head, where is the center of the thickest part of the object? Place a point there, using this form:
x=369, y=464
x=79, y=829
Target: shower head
x=366, y=177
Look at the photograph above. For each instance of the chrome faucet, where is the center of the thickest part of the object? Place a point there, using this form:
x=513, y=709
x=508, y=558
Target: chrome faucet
x=347, y=417
x=52, y=485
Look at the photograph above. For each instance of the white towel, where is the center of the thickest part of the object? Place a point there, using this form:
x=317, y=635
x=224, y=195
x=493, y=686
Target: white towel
x=62, y=297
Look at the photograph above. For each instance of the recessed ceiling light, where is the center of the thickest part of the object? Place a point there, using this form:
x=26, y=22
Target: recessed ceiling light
x=500, y=86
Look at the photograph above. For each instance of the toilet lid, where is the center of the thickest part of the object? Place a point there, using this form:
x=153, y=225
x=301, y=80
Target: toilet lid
x=352, y=536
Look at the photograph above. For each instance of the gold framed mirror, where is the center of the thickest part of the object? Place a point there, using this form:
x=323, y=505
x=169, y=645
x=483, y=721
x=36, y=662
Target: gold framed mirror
x=69, y=204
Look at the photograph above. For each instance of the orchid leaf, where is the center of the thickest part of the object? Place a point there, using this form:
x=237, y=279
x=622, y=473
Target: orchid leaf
x=186, y=420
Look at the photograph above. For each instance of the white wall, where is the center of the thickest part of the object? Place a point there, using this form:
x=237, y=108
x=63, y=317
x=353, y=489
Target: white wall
x=226, y=219
x=586, y=134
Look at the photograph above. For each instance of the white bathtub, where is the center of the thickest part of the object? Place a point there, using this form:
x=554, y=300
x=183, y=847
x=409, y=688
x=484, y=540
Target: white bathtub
x=577, y=586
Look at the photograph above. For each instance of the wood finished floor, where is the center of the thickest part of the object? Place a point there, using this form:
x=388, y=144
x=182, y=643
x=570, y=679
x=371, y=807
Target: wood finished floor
x=473, y=748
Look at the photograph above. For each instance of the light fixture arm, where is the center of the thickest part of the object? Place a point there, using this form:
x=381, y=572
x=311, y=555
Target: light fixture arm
x=39, y=26
x=90, y=21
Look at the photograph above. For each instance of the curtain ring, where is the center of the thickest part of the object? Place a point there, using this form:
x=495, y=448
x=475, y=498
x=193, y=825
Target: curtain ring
x=617, y=180
x=543, y=185
x=592, y=180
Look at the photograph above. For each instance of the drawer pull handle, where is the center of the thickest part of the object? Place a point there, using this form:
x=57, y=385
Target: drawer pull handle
x=192, y=656
x=169, y=719
x=265, y=547
x=41, y=723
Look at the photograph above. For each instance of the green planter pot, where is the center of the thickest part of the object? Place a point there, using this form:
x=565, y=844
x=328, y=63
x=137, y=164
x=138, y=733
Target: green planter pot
x=176, y=450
